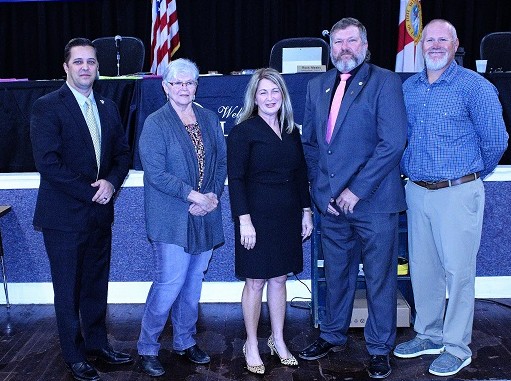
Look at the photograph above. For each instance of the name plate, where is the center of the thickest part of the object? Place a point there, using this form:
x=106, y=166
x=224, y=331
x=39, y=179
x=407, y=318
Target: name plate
x=310, y=68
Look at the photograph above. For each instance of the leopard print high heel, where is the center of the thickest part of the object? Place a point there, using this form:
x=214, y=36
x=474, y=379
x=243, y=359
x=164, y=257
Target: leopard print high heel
x=257, y=369
x=290, y=361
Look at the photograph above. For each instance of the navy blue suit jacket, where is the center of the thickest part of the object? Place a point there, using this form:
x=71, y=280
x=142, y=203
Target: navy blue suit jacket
x=367, y=143
x=64, y=156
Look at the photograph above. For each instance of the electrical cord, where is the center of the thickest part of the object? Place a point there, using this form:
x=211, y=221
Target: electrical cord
x=297, y=299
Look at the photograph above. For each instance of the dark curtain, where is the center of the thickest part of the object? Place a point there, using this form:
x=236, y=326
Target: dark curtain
x=223, y=35
x=33, y=34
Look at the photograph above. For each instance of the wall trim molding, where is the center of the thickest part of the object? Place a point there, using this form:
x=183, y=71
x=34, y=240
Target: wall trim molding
x=214, y=292
x=30, y=180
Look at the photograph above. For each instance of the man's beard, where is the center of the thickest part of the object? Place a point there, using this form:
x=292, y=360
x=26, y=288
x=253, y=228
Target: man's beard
x=352, y=63
x=432, y=64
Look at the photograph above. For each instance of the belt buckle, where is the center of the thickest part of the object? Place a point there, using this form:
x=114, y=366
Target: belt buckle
x=431, y=185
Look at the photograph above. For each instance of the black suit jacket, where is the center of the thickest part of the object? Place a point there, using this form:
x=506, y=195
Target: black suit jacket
x=64, y=156
x=367, y=143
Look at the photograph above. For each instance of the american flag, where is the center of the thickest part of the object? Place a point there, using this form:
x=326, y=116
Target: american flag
x=164, y=34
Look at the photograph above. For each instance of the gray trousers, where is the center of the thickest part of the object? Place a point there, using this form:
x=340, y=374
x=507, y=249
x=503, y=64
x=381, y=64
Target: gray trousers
x=444, y=233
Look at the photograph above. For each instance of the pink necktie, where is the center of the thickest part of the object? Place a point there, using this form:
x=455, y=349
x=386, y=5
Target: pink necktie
x=336, y=105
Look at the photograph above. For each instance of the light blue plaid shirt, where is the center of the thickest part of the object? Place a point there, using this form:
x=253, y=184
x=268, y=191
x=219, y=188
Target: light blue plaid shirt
x=455, y=126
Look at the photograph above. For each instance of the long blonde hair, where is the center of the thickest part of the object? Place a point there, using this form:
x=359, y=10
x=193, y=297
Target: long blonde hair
x=286, y=119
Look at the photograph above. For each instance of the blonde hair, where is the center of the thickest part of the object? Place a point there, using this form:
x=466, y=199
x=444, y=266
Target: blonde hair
x=286, y=119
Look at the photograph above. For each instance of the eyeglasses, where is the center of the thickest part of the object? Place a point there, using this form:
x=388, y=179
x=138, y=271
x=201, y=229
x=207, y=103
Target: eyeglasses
x=183, y=84
x=441, y=41
x=350, y=41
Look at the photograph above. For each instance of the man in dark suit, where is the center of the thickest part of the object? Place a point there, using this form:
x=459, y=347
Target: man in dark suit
x=353, y=160
x=80, y=150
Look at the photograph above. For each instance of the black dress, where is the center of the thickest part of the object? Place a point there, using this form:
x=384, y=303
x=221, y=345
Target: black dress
x=268, y=180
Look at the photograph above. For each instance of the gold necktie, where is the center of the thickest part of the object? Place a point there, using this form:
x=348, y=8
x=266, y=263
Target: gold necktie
x=93, y=129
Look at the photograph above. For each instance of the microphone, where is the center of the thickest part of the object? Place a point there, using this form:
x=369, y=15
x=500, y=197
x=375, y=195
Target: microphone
x=118, y=40
x=325, y=33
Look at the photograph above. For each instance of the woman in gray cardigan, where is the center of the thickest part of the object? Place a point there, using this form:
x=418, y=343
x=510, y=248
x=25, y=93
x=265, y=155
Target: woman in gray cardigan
x=183, y=153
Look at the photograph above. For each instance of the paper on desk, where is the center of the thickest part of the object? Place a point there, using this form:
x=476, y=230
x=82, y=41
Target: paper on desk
x=13, y=79
x=122, y=77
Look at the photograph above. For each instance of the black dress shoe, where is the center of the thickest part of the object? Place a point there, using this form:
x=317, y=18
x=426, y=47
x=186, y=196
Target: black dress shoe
x=195, y=354
x=110, y=356
x=318, y=349
x=379, y=366
x=83, y=371
x=151, y=365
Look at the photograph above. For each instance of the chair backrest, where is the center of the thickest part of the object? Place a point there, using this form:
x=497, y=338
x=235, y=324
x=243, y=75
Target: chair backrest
x=299, y=42
x=131, y=53
x=458, y=56
x=496, y=48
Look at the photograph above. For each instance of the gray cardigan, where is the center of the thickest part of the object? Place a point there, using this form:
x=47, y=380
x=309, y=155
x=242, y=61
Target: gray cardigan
x=171, y=172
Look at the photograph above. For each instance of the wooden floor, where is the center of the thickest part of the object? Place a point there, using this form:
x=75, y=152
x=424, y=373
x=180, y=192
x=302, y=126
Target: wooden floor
x=29, y=348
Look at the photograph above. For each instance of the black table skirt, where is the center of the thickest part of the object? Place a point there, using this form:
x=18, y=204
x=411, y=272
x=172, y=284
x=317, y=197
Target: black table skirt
x=137, y=99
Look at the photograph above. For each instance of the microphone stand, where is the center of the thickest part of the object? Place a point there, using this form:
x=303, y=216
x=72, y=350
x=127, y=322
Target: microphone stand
x=117, y=46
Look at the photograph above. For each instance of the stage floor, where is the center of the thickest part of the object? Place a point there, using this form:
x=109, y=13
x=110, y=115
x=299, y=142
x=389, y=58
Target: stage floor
x=29, y=347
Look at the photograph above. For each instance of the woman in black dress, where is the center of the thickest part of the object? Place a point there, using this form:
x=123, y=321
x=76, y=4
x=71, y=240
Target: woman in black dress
x=270, y=202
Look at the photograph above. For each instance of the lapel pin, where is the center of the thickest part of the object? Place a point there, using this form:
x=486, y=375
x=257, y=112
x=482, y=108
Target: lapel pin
x=327, y=90
x=102, y=101
x=360, y=83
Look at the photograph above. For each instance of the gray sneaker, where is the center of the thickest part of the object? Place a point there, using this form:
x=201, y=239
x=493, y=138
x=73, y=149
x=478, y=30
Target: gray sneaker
x=417, y=347
x=447, y=364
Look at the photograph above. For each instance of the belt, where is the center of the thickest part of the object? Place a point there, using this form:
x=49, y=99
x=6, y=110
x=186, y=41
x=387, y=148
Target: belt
x=447, y=183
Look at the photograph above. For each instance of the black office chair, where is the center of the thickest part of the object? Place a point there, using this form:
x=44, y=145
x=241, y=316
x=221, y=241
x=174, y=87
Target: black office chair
x=299, y=42
x=496, y=48
x=131, y=55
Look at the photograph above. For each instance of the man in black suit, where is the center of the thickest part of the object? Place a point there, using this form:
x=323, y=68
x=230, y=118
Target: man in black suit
x=81, y=153
x=353, y=145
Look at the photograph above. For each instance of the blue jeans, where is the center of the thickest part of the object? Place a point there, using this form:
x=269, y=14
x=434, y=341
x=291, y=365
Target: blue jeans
x=177, y=285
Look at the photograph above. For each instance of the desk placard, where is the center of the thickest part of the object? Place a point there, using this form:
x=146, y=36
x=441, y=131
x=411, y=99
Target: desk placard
x=310, y=68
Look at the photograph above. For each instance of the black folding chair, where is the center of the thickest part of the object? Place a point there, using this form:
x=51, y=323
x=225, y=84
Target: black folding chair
x=128, y=52
x=496, y=48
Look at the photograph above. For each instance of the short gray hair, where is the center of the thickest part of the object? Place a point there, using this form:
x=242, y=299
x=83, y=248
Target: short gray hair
x=451, y=28
x=181, y=65
x=346, y=22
